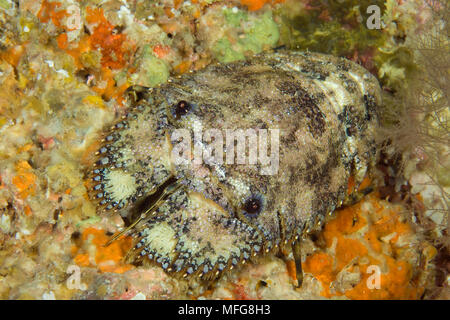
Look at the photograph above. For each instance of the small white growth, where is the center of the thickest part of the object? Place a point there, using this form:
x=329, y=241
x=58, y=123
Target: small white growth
x=50, y=63
x=63, y=72
x=120, y=185
x=48, y=296
x=139, y=296
x=125, y=15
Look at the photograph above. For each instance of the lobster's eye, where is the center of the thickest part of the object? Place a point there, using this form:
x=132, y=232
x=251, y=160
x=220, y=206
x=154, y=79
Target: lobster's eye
x=182, y=108
x=253, y=206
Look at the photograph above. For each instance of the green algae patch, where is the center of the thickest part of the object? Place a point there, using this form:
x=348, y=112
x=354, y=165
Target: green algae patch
x=5, y=4
x=259, y=33
x=151, y=70
x=234, y=17
x=224, y=52
x=264, y=32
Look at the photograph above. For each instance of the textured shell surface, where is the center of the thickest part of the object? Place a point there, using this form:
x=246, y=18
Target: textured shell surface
x=203, y=218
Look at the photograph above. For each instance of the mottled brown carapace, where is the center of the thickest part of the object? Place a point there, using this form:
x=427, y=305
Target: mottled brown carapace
x=202, y=219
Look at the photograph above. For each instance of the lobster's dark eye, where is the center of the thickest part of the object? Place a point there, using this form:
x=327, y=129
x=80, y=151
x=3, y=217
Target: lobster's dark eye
x=253, y=206
x=181, y=108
